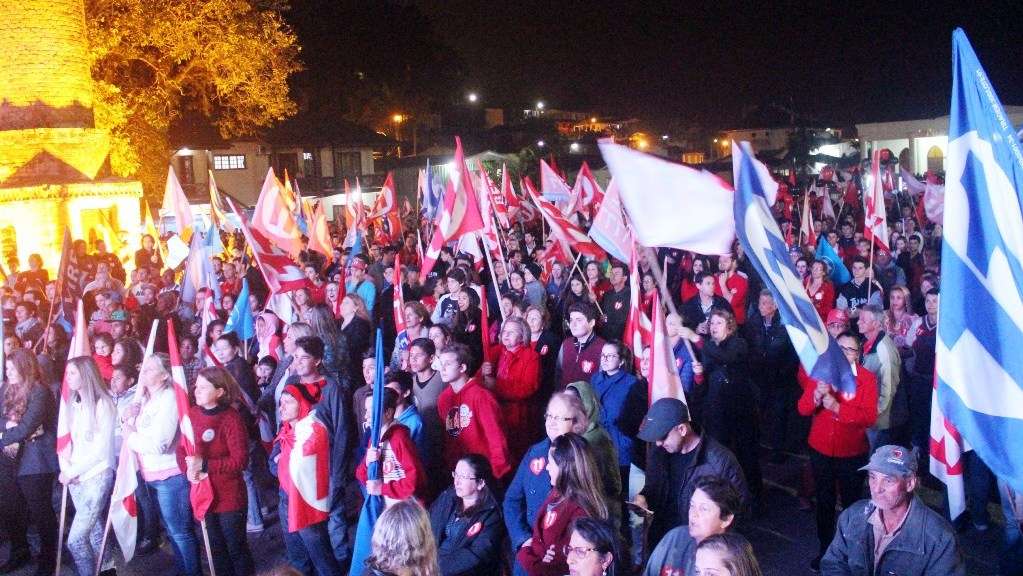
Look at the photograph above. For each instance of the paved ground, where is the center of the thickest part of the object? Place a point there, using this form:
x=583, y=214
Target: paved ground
x=783, y=537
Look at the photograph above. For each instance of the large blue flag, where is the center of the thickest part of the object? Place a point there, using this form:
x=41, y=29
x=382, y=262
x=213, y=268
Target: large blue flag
x=837, y=271
x=241, y=319
x=373, y=506
x=764, y=245
x=980, y=323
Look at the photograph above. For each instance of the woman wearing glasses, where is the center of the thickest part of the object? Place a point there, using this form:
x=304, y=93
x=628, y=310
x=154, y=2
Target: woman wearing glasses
x=593, y=549
x=576, y=493
x=466, y=521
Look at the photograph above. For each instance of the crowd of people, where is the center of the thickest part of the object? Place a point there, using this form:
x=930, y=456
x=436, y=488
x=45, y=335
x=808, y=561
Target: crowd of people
x=517, y=433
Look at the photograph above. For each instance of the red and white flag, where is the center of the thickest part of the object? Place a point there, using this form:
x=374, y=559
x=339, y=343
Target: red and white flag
x=385, y=213
x=638, y=326
x=806, y=231
x=875, y=225
x=319, y=233
x=588, y=193
x=947, y=457
x=552, y=186
x=124, y=512
x=567, y=234
x=827, y=208
x=305, y=473
x=207, y=317
x=664, y=378
x=500, y=203
x=609, y=228
x=201, y=493
x=279, y=270
x=274, y=219
x=460, y=213
x=510, y=199
x=175, y=202
x=79, y=347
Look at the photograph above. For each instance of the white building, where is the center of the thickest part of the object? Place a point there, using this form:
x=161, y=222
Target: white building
x=921, y=145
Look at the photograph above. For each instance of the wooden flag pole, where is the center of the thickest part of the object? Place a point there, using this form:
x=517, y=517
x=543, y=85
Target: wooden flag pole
x=206, y=541
x=870, y=269
x=102, y=547
x=493, y=278
x=60, y=531
x=662, y=285
x=586, y=282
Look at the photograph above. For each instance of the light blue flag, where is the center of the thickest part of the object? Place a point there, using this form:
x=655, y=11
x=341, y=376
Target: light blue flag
x=373, y=506
x=241, y=319
x=356, y=248
x=760, y=237
x=980, y=322
x=837, y=271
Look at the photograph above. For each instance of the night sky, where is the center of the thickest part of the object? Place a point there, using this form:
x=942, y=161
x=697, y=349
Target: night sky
x=683, y=63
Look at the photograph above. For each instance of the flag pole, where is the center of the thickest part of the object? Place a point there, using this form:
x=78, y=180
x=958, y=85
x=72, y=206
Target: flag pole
x=662, y=285
x=586, y=282
x=102, y=548
x=870, y=269
x=493, y=278
x=206, y=541
x=60, y=531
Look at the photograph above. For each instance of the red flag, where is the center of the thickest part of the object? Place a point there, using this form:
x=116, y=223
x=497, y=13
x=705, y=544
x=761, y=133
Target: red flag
x=946, y=456
x=175, y=202
x=385, y=213
x=305, y=472
x=201, y=493
x=508, y=192
x=460, y=213
x=79, y=348
x=806, y=231
x=124, y=515
x=552, y=186
x=488, y=354
x=274, y=219
x=319, y=234
x=567, y=233
x=638, y=329
x=664, y=378
x=609, y=228
x=399, y=305
x=875, y=225
x=587, y=191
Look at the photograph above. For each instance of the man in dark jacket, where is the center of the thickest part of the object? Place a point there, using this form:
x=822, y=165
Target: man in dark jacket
x=696, y=310
x=579, y=357
x=615, y=303
x=679, y=459
x=773, y=364
x=893, y=532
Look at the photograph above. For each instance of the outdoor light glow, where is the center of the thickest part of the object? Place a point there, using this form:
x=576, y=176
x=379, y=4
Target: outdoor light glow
x=593, y=120
x=540, y=143
x=473, y=97
x=574, y=147
x=643, y=144
x=398, y=118
x=540, y=105
x=715, y=140
x=665, y=137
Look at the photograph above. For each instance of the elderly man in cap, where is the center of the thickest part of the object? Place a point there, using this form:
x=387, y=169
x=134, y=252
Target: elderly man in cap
x=893, y=532
x=678, y=460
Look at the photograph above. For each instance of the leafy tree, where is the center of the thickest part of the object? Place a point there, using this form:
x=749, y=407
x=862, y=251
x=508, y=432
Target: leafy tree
x=153, y=60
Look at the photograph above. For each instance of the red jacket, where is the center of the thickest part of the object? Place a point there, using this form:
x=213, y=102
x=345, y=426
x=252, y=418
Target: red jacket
x=552, y=528
x=221, y=439
x=473, y=422
x=518, y=379
x=737, y=285
x=402, y=473
x=824, y=299
x=844, y=434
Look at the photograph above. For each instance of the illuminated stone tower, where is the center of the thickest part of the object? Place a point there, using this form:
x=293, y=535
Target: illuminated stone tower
x=54, y=168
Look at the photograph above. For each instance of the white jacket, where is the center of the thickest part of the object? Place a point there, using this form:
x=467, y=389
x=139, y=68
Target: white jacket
x=155, y=438
x=90, y=452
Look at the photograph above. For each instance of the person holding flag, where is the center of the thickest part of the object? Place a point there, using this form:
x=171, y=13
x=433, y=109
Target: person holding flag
x=87, y=466
x=222, y=454
x=151, y=433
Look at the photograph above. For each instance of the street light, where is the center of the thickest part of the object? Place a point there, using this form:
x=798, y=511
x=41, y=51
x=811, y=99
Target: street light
x=540, y=143
x=472, y=97
x=397, y=118
x=539, y=105
x=574, y=147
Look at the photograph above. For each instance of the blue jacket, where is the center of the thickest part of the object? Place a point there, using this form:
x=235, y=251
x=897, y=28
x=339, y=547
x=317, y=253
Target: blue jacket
x=469, y=544
x=926, y=544
x=527, y=492
x=413, y=420
x=621, y=414
x=684, y=365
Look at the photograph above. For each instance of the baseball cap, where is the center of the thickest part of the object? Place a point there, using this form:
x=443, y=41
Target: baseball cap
x=662, y=416
x=118, y=316
x=837, y=315
x=358, y=263
x=892, y=460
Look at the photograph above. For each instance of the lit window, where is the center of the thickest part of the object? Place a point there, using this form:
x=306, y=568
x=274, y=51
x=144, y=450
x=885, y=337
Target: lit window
x=307, y=156
x=229, y=162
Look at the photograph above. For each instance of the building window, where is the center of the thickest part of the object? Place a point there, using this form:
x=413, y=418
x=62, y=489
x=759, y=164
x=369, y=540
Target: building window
x=229, y=162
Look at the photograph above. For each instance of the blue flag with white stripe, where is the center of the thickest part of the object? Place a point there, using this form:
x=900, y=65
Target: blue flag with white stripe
x=764, y=245
x=373, y=505
x=980, y=320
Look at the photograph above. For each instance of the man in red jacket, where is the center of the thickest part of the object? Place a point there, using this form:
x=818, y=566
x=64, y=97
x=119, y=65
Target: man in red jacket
x=470, y=413
x=838, y=437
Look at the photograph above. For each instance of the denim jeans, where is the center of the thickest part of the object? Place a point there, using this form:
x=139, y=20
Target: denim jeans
x=85, y=538
x=149, y=511
x=229, y=543
x=1011, y=559
x=176, y=514
x=309, y=549
x=254, y=516
x=337, y=526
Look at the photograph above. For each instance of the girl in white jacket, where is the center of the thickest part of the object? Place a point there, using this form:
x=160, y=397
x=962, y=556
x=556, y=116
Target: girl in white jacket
x=87, y=466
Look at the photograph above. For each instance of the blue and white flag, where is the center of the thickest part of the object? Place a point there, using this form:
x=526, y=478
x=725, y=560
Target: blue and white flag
x=373, y=505
x=241, y=319
x=837, y=271
x=764, y=245
x=980, y=322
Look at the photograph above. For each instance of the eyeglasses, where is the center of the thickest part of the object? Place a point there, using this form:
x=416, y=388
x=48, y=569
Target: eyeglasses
x=458, y=476
x=575, y=552
x=558, y=418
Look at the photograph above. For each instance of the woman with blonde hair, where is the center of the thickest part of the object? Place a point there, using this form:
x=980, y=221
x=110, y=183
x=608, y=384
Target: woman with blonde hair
x=151, y=431
x=28, y=462
x=728, y=554
x=87, y=465
x=576, y=492
x=515, y=378
x=899, y=320
x=403, y=543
